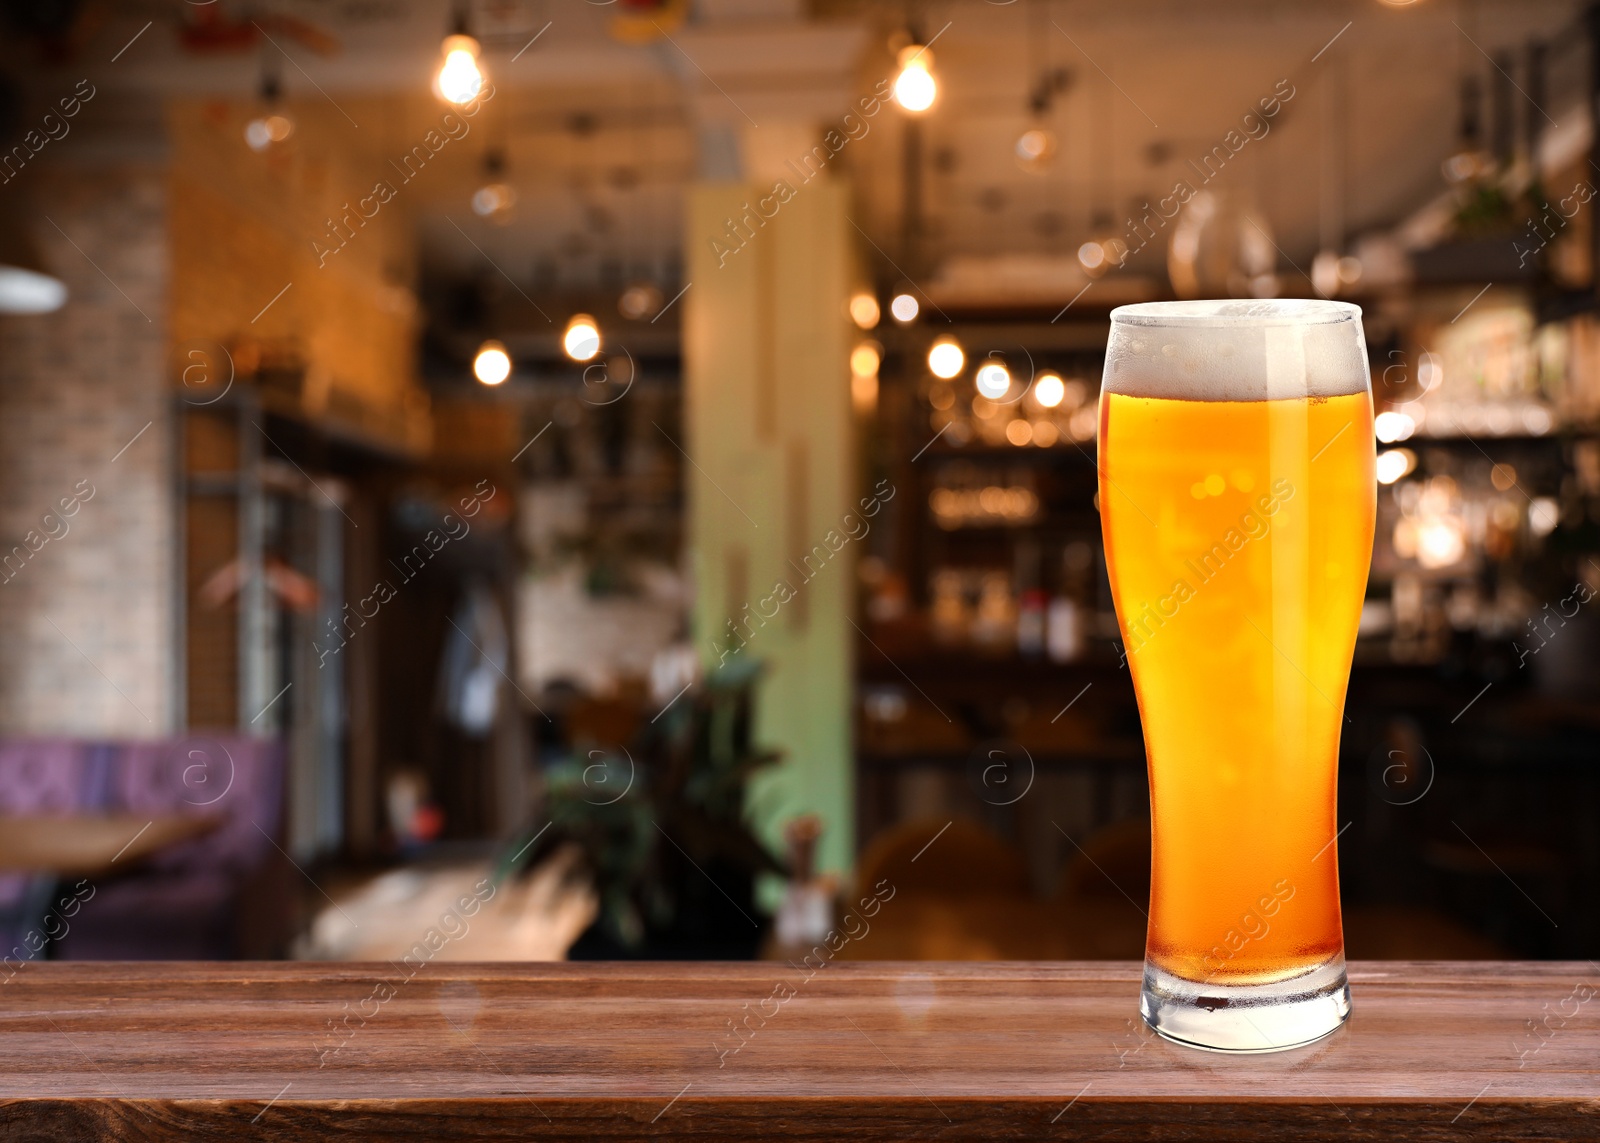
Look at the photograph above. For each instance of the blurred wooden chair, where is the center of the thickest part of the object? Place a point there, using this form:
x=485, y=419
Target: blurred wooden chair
x=1109, y=863
x=1394, y=932
x=1105, y=892
x=966, y=896
x=960, y=893
x=1070, y=732
x=948, y=858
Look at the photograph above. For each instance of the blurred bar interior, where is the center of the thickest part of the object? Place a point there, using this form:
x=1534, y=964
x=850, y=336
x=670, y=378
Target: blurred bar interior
x=516, y=480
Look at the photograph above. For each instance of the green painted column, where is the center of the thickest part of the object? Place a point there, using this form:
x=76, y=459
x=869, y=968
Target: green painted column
x=772, y=487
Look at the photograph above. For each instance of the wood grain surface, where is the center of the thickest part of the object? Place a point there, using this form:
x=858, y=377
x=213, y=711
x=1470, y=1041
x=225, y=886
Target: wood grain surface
x=1001, y=1051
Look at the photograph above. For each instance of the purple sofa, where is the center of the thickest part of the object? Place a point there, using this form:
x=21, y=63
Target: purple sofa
x=218, y=897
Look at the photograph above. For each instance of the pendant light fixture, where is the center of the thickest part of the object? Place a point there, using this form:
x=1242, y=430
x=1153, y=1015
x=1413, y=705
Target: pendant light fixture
x=946, y=359
x=1035, y=148
x=26, y=287
x=915, y=88
x=272, y=125
x=904, y=307
x=1328, y=266
x=1104, y=250
x=492, y=365
x=641, y=299
x=495, y=199
x=460, y=77
x=581, y=341
x=1469, y=161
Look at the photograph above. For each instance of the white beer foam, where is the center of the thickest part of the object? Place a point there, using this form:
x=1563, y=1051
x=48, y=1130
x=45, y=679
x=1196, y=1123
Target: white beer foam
x=1236, y=350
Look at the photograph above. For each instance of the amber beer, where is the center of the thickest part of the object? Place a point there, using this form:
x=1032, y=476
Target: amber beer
x=1237, y=501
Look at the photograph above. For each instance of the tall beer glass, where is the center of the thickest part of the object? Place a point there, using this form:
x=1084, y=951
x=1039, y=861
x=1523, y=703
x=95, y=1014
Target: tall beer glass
x=1237, y=502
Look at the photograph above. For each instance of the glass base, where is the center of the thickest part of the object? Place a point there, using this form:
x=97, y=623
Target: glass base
x=1246, y=1017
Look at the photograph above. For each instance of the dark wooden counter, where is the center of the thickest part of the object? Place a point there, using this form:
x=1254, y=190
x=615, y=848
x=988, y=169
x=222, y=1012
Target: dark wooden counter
x=861, y=1050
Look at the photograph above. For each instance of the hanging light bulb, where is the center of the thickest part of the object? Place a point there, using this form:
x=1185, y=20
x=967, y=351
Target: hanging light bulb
x=494, y=202
x=1104, y=251
x=864, y=310
x=915, y=89
x=492, y=365
x=1099, y=255
x=864, y=362
x=1035, y=148
x=582, y=339
x=866, y=358
x=993, y=381
x=904, y=308
x=1325, y=273
x=1395, y=463
x=262, y=132
x=945, y=359
x=495, y=198
x=1390, y=426
x=1469, y=161
x=1092, y=257
x=639, y=301
x=271, y=126
x=1049, y=390
x=460, y=78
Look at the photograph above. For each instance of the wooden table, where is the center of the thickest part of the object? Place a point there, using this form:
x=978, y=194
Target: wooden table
x=93, y=844
x=861, y=1050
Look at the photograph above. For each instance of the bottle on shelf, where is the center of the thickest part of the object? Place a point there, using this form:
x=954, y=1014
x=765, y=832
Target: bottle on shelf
x=948, y=614
x=1068, y=621
x=995, y=625
x=1064, y=629
x=1031, y=624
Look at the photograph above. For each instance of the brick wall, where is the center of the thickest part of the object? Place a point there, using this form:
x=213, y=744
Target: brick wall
x=86, y=643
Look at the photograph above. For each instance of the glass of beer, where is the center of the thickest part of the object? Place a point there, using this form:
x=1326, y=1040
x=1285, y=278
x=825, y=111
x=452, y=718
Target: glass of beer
x=1237, y=499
